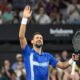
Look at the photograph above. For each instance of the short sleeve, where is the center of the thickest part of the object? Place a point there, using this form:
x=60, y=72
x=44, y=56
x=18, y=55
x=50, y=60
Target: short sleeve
x=52, y=61
x=26, y=51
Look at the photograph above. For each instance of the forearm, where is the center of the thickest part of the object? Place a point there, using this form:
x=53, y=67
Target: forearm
x=22, y=31
x=26, y=14
x=64, y=65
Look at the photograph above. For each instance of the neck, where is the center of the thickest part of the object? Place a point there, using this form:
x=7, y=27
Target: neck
x=39, y=50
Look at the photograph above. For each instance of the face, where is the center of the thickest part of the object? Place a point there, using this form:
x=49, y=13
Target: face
x=41, y=10
x=64, y=53
x=37, y=40
x=20, y=59
x=6, y=64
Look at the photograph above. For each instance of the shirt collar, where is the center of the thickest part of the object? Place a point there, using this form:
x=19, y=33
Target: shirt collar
x=37, y=52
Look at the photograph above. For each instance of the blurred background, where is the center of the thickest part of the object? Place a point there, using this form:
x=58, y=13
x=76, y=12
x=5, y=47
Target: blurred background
x=56, y=20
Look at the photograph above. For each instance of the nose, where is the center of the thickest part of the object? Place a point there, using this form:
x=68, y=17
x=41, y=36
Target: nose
x=39, y=40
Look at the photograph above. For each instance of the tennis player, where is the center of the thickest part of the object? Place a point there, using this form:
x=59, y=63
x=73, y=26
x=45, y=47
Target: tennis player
x=36, y=61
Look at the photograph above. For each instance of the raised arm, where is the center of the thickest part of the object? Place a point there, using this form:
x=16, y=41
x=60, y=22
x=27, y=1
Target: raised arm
x=26, y=14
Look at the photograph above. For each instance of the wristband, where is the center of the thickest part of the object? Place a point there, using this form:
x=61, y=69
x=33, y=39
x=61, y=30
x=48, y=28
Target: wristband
x=24, y=21
x=70, y=61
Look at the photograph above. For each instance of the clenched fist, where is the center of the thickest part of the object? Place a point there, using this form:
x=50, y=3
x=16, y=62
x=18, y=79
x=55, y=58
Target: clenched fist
x=75, y=57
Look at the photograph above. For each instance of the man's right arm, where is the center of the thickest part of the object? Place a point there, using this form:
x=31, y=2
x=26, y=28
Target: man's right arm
x=26, y=14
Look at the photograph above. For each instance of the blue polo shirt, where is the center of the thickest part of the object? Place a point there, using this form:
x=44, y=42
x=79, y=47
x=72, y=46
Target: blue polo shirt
x=37, y=65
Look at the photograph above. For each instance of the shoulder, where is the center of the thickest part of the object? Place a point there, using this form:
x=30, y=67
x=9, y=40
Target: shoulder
x=26, y=47
x=48, y=54
x=27, y=50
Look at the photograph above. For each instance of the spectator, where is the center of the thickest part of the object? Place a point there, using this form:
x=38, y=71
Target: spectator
x=66, y=72
x=73, y=12
x=2, y=77
x=19, y=59
x=5, y=70
x=42, y=17
x=56, y=16
x=52, y=73
x=20, y=72
x=8, y=16
x=18, y=67
x=64, y=56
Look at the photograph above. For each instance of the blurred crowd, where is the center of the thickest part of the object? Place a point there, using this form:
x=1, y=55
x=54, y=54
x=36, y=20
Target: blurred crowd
x=16, y=70
x=44, y=11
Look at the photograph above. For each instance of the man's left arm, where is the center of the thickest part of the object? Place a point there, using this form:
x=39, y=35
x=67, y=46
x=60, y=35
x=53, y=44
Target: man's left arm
x=66, y=64
x=62, y=65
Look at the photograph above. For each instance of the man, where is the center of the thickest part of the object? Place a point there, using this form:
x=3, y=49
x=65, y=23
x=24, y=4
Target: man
x=19, y=60
x=36, y=61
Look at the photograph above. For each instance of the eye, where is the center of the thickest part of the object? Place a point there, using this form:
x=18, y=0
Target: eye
x=40, y=37
x=37, y=37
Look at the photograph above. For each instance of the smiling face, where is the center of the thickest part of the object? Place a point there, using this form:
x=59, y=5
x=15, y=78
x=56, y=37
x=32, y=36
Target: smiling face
x=37, y=40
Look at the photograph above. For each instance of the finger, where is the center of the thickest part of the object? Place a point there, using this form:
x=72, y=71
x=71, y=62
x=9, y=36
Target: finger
x=30, y=12
x=28, y=8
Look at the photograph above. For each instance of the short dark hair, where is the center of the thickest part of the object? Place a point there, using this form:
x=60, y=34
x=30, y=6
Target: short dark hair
x=35, y=34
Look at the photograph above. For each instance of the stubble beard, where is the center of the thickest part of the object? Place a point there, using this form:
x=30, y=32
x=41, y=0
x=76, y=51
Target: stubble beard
x=38, y=46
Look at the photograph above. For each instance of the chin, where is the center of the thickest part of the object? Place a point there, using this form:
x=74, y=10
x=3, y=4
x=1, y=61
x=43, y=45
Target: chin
x=39, y=46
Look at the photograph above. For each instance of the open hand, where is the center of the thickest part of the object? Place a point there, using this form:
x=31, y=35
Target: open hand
x=27, y=12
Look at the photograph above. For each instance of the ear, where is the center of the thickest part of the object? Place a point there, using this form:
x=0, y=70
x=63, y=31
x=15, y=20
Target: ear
x=31, y=41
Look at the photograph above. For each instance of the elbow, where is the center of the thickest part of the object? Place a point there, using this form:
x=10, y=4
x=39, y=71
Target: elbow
x=20, y=36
